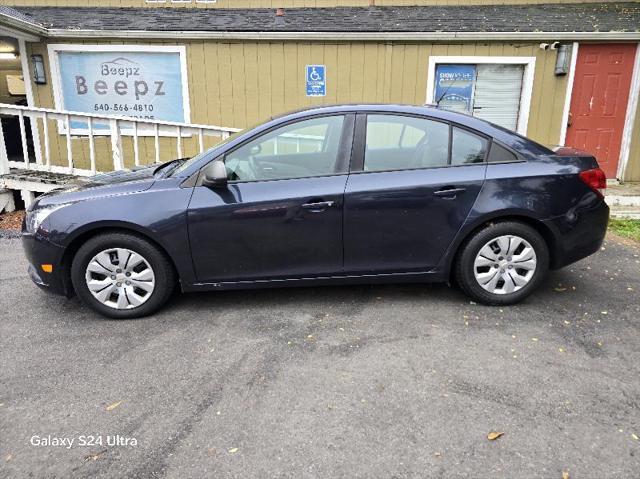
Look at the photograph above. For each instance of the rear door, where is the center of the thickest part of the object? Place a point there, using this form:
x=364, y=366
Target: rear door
x=413, y=183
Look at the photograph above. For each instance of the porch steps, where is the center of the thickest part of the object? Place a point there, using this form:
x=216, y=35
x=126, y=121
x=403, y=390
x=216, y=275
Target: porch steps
x=29, y=182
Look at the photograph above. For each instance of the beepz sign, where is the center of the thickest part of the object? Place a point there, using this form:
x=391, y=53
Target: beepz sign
x=123, y=73
x=139, y=84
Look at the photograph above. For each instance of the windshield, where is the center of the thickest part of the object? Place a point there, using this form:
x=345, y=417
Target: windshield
x=198, y=157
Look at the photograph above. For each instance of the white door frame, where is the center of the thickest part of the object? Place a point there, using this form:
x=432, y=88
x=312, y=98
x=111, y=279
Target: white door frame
x=527, y=79
x=569, y=91
x=632, y=108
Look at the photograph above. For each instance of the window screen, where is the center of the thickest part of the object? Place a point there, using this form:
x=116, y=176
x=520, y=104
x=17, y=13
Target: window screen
x=497, y=94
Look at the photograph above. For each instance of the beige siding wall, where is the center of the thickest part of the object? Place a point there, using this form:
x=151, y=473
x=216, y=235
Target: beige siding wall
x=633, y=166
x=277, y=3
x=229, y=87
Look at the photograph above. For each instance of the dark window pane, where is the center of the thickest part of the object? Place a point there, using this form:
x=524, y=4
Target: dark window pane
x=499, y=154
x=467, y=147
x=396, y=142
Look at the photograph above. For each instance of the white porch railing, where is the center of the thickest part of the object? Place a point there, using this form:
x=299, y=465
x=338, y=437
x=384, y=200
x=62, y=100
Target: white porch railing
x=91, y=127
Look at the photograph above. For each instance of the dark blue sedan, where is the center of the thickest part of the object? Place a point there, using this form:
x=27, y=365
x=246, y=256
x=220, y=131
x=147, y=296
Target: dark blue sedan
x=341, y=194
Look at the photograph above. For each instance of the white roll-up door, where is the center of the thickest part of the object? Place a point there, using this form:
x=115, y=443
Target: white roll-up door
x=497, y=94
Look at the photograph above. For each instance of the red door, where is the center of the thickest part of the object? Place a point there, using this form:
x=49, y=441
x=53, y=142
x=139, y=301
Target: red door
x=599, y=101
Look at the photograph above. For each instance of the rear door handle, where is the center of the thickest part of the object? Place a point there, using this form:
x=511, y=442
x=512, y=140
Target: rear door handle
x=318, y=205
x=449, y=192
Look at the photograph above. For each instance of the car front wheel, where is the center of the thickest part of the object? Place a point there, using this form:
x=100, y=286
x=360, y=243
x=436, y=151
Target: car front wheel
x=502, y=263
x=122, y=276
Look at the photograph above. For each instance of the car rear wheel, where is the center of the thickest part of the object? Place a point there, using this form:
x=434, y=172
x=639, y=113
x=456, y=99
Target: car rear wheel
x=122, y=276
x=502, y=263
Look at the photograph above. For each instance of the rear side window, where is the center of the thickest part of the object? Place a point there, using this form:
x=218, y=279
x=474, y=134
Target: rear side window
x=467, y=148
x=396, y=142
x=499, y=154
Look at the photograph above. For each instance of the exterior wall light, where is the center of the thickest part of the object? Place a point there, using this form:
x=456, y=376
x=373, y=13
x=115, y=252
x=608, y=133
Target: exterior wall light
x=562, y=60
x=39, y=73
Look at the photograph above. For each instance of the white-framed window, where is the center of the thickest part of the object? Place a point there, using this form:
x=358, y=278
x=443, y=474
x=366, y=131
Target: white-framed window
x=497, y=89
x=141, y=81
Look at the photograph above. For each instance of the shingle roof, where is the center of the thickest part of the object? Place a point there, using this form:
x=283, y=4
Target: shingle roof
x=589, y=17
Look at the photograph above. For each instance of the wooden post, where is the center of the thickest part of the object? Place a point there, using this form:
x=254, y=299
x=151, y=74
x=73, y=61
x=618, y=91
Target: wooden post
x=116, y=146
x=69, y=150
x=4, y=158
x=47, y=148
x=23, y=139
x=92, y=145
x=27, y=197
x=6, y=201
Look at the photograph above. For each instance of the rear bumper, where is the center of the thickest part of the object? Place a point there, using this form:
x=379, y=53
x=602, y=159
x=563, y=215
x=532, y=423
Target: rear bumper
x=578, y=234
x=39, y=250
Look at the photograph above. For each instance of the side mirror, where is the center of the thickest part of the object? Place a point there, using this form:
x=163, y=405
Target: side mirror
x=215, y=174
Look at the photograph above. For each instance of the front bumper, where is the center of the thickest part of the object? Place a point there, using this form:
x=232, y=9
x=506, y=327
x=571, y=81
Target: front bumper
x=39, y=250
x=578, y=234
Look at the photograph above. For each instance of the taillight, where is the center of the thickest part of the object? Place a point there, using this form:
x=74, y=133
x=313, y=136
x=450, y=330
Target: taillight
x=595, y=179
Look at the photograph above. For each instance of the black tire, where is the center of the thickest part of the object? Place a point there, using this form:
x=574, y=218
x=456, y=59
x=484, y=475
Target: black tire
x=165, y=276
x=464, y=265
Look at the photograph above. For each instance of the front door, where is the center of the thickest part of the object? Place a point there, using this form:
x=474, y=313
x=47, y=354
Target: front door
x=413, y=194
x=280, y=215
x=599, y=101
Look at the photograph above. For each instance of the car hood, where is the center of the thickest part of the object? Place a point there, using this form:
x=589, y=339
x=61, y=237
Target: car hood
x=107, y=184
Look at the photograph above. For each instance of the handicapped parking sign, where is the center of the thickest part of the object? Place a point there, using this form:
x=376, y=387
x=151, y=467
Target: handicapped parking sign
x=316, y=80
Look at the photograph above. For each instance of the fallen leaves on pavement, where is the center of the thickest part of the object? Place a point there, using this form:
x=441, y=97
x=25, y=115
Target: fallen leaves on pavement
x=11, y=221
x=111, y=407
x=94, y=457
x=493, y=435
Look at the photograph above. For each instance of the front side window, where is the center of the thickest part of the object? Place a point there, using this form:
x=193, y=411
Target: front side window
x=467, y=147
x=302, y=149
x=396, y=142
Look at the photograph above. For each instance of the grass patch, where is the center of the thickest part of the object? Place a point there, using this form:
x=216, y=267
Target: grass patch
x=626, y=228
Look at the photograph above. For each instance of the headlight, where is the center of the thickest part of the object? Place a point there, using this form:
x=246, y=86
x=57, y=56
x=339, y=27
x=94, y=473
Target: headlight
x=35, y=217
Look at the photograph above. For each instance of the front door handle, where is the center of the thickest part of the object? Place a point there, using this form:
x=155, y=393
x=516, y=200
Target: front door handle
x=449, y=192
x=318, y=206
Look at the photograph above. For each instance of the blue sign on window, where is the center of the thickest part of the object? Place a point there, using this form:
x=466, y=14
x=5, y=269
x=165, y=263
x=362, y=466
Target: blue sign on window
x=316, y=80
x=454, y=87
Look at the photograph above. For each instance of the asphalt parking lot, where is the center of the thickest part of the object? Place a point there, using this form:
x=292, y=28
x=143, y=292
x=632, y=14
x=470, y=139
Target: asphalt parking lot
x=395, y=381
